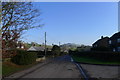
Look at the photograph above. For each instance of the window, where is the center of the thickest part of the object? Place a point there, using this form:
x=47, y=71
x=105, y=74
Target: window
x=118, y=40
x=110, y=41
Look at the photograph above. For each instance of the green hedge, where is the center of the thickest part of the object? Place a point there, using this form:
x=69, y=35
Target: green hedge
x=24, y=57
x=56, y=50
x=101, y=49
x=104, y=56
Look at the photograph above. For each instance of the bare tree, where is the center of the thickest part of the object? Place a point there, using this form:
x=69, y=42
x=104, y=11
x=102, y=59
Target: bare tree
x=17, y=17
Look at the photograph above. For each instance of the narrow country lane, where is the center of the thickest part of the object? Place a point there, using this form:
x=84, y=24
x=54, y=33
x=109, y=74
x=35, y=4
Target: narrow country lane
x=60, y=67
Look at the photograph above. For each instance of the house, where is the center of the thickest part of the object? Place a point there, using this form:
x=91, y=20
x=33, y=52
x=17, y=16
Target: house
x=101, y=44
x=115, y=42
x=34, y=48
x=64, y=49
x=20, y=45
x=111, y=44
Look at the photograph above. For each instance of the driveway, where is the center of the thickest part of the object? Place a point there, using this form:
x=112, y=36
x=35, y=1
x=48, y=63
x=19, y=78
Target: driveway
x=60, y=67
x=99, y=71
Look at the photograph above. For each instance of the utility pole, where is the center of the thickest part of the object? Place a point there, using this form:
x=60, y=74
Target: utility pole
x=45, y=44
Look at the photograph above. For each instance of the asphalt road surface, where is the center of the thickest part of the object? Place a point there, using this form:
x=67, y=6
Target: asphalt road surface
x=60, y=67
x=100, y=71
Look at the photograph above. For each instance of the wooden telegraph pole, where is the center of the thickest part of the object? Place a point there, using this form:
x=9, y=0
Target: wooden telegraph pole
x=45, y=44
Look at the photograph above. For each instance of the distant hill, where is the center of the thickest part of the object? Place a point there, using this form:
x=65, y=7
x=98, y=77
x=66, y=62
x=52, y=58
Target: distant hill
x=71, y=46
x=28, y=45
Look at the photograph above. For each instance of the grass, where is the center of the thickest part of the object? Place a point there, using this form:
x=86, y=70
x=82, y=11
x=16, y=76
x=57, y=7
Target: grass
x=93, y=61
x=10, y=68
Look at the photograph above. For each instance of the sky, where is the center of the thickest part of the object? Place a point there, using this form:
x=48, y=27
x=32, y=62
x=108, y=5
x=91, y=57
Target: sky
x=74, y=22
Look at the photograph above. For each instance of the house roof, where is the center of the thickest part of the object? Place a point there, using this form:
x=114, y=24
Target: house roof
x=34, y=48
x=101, y=39
x=116, y=35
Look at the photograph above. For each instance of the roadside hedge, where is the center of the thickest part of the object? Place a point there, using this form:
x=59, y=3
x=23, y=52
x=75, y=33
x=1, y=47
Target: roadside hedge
x=101, y=49
x=99, y=55
x=24, y=57
x=56, y=50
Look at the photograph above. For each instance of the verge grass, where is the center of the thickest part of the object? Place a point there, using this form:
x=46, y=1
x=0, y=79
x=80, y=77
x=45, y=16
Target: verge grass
x=93, y=61
x=9, y=68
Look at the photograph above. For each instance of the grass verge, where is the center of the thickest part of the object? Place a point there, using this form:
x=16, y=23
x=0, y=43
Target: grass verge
x=9, y=68
x=93, y=61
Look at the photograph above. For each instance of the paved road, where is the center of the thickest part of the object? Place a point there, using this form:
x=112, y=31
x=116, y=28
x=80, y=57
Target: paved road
x=99, y=71
x=60, y=67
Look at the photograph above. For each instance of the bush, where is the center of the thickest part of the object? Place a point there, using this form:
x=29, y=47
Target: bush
x=24, y=57
x=103, y=56
x=101, y=49
x=63, y=53
x=41, y=53
x=56, y=50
